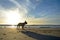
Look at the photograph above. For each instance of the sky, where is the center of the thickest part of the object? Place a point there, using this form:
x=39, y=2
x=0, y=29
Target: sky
x=33, y=11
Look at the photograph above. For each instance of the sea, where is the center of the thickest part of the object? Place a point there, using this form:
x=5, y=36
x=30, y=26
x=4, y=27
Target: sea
x=31, y=26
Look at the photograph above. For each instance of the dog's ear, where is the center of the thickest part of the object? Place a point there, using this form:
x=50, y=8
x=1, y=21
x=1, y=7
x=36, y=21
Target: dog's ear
x=25, y=22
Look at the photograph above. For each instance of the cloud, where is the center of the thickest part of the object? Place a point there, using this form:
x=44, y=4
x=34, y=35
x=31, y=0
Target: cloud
x=22, y=9
x=6, y=4
x=43, y=21
x=4, y=14
x=25, y=8
x=15, y=2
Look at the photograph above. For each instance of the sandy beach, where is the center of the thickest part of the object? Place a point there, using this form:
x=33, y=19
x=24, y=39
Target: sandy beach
x=29, y=34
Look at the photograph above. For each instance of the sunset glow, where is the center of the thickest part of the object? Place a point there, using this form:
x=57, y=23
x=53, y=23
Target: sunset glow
x=13, y=17
x=42, y=12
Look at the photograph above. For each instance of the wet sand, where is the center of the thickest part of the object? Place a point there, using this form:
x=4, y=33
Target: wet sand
x=28, y=34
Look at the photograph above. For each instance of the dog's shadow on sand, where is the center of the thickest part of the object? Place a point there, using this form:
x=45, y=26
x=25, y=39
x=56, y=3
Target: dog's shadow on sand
x=40, y=36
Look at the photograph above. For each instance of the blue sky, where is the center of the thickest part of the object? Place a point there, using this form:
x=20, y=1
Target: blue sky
x=41, y=11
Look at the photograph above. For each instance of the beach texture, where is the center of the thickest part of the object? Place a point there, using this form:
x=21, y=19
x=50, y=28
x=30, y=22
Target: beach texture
x=29, y=34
